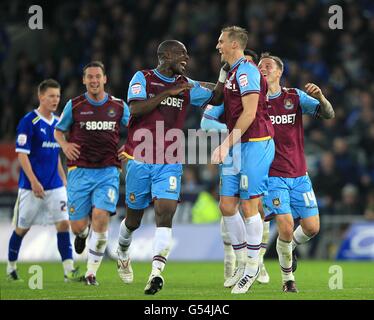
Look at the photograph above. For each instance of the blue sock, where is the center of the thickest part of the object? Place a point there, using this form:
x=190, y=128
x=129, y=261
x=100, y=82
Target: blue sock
x=14, y=245
x=64, y=245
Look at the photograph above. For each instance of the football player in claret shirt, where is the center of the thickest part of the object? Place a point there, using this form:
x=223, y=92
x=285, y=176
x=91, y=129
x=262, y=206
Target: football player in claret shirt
x=291, y=194
x=213, y=119
x=92, y=121
x=42, y=193
x=251, y=145
x=158, y=101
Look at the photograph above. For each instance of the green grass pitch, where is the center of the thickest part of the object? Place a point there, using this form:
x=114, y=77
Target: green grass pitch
x=195, y=281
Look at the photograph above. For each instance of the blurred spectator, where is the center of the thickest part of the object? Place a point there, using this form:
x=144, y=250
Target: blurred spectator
x=369, y=210
x=350, y=203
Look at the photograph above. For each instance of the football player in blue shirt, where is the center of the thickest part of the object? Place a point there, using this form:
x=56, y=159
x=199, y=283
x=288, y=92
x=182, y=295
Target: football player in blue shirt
x=42, y=193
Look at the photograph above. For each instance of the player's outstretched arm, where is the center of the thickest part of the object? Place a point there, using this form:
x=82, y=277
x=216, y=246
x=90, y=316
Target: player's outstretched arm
x=217, y=97
x=142, y=107
x=71, y=150
x=36, y=186
x=326, y=110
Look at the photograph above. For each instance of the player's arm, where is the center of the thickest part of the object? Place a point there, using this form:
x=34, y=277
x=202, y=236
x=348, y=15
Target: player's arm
x=61, y=171
x=71, y=150
x=142, y=107
x=326, y=110
x=139, y=103
x=36, y=186
x=217, y=97
x=244, y=121
x=209, y=120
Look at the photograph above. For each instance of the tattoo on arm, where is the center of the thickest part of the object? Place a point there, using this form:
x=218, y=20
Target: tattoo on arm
x=326, y=110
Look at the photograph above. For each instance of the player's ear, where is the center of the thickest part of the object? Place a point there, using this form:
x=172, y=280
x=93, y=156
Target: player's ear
x=105, y=79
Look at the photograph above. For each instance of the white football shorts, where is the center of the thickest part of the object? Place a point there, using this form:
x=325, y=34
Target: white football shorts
x=30, y=210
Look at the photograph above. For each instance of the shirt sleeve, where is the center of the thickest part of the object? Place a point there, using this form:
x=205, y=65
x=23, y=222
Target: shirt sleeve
x=126, y=114
x=137, y=88
x=24, y=136
x=199, y=95
x=308, y=104
x=248, y=78
x=213, y=112
x=66, y=118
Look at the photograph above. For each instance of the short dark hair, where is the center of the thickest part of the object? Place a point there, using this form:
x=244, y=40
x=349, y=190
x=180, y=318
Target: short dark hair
x=97, y=64
x=277, y=60
x=253, y=54
x=48, y=83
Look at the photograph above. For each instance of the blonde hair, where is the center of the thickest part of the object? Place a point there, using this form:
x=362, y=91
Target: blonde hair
x=238, y=34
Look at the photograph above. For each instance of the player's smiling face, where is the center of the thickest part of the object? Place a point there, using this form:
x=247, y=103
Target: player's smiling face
x=94, y=79
x=224, y=46
x=269, y=70
x=179, y=59
x=50, y=99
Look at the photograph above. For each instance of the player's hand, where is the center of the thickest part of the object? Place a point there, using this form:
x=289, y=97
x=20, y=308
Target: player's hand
x=314, y=91
x=223, y=73
x=173, y=91
x=71, y=150
x=121, y=154
x=220, y=154
x=37, y=189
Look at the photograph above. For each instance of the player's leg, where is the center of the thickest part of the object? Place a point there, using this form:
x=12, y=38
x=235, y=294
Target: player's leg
x=97, y=243
x=26, y=210
x=263, y=277
x=80, y=185
x=253, y=184
x=229, y=259
x=166, y=186
x=128, y=226
x=304, y=206
x=233, y=221
x=15, y=242
x=104, y=201
x=56, y=204
x=285, y=227
x=138, y=197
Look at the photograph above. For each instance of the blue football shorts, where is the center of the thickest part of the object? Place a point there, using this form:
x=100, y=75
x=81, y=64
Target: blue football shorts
x=290, y=195
x=145, y=182
x=245, y=171
x=92, y=187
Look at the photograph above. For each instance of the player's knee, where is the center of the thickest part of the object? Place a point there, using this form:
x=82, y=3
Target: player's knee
x=133, y=218
x=285, y=232
x=164, y=218
x=77, y=227
x=311, y=230
x=63, y=226
x=227, y=209
x=21, y=232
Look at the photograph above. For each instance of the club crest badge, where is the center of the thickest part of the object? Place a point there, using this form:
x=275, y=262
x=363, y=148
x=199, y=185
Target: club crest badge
x=288, y=105
x=276, y=202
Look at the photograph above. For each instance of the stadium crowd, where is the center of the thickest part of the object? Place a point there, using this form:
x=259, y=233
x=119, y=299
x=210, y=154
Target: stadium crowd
x=125, y=35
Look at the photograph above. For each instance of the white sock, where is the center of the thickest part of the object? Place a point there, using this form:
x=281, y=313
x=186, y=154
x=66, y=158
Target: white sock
x=68, y=265
x=299, y=237
x=264, y=241
x=227, y=247
x=12, y=265
x=124, y=240
x=284, y=250
x=84, y=233
x=96, y=249
x=236, y=230
x=161, y=249
x=254, y=230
